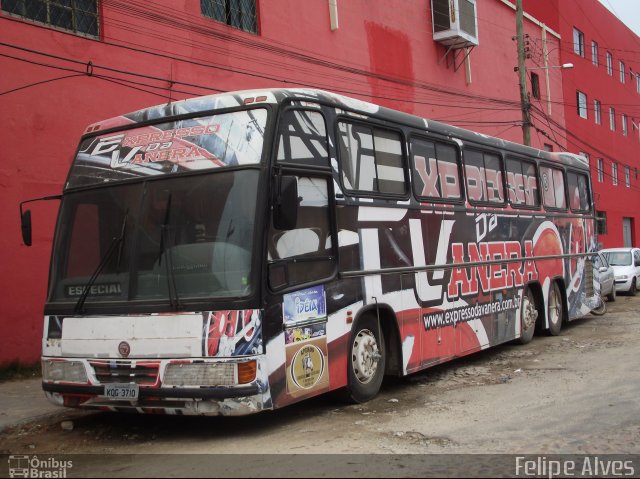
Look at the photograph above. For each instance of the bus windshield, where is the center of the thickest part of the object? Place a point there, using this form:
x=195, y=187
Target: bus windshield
x=163, y=240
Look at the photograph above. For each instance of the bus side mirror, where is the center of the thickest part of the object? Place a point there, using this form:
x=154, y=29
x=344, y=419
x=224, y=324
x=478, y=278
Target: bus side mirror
x=25, y=223
x=25, y=217
x=285, y=209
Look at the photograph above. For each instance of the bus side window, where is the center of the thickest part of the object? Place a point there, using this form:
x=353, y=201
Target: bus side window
x=522, y=183
x=553, y=193
x=303, y=138
x=578, y=191
x=371, y=159
x=436, y=175
x=484, y=177
x=530, y=184
x=304, y=253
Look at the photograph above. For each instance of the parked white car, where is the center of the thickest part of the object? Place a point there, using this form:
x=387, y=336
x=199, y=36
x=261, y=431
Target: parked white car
x=626, y=266
x=605, y=276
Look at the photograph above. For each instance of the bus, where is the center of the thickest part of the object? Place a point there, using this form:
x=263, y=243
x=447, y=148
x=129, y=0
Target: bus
x=239, y=252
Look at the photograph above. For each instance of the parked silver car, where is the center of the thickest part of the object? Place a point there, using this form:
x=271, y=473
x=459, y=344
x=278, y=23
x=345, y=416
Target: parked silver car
x=626, y=266
x=605, y=275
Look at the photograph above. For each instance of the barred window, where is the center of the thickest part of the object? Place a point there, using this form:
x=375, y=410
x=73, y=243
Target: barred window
x=601, y=222
x=239, y=14
x=78, y=16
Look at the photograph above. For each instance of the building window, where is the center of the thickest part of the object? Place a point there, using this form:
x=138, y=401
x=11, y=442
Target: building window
x=535, y=85
x=627, y=177
x=609, y=64
x=612, y=119
x=582, y=104
x=596, y=110
x=614, y=174
x=578, y=42
x=601, y=222
x=239, y=14
x=624, y=124
x=600, y=170
x=622, y=72
x=78, y=16
x=548, y=147
x=594, y=53
x=638, y=82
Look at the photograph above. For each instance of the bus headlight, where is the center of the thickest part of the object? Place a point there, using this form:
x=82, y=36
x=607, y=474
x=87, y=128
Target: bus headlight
x=65, y=371
x=209, y=374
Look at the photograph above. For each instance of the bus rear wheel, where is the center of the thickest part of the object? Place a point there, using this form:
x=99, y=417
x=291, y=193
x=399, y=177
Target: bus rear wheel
x=528, y=316
x=366, y=361
x=555, y=311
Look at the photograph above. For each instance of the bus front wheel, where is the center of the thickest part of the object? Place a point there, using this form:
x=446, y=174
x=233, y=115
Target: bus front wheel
x=366, y=360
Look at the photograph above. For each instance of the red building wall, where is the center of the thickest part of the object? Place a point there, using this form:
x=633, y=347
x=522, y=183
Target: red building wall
x=584, y=135
x=383, y=51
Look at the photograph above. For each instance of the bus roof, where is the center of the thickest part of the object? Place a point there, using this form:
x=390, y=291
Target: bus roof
x=349, y=104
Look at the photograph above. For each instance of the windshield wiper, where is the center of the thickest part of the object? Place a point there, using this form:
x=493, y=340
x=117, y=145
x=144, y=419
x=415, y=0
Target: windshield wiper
x=115, y=242
x=174, y=298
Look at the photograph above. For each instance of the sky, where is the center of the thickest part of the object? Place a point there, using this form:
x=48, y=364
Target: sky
x=626, y=10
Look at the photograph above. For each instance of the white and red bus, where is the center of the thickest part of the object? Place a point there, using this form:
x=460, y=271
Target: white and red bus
x=240, y=252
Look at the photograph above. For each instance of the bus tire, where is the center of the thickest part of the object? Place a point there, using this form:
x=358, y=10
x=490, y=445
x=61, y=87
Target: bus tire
x=634, y=288
x=528, y=316
x=366, y=361
x=611, y=297
x=555, y=311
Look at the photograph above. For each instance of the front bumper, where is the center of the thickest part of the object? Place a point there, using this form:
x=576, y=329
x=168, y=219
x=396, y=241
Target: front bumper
x=154, y=397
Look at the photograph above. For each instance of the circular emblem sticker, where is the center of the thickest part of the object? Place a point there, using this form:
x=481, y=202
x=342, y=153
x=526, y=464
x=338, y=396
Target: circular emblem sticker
x=307, y=366
x=124, y=349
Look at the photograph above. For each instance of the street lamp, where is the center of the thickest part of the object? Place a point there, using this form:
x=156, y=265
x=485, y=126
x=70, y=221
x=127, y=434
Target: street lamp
x=564, y=66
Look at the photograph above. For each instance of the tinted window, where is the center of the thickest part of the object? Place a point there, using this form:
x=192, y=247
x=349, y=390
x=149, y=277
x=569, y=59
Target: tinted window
x=436, y=174
x=303, y=138
x=553, y=194
x=484, y=177
x=522, y=183
x=304, y=253
x=371, y=159
x=578, y=191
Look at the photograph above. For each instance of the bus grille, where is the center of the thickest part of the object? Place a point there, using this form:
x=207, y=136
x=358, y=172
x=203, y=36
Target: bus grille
x=588, y=277
x=108, y=372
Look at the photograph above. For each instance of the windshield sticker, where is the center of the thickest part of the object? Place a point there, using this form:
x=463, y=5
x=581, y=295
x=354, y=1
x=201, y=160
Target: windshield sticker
x=229, y=139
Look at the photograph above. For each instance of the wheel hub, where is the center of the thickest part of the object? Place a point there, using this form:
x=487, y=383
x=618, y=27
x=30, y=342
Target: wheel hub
x=529, y=313
x=365, y=356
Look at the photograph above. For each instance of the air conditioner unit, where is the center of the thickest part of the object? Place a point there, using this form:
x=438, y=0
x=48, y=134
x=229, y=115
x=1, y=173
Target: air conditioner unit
x=455, y=23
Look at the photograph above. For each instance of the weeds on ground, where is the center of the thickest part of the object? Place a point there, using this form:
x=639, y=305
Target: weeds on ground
x=19, y=371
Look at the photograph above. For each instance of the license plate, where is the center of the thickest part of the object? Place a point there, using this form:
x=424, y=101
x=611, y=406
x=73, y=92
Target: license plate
x=122, y=392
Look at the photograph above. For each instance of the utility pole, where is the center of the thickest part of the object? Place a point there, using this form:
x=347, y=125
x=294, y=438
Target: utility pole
x=522, y=74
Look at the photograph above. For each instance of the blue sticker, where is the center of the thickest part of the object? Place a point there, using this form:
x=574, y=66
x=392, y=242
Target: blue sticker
x=305, y=305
